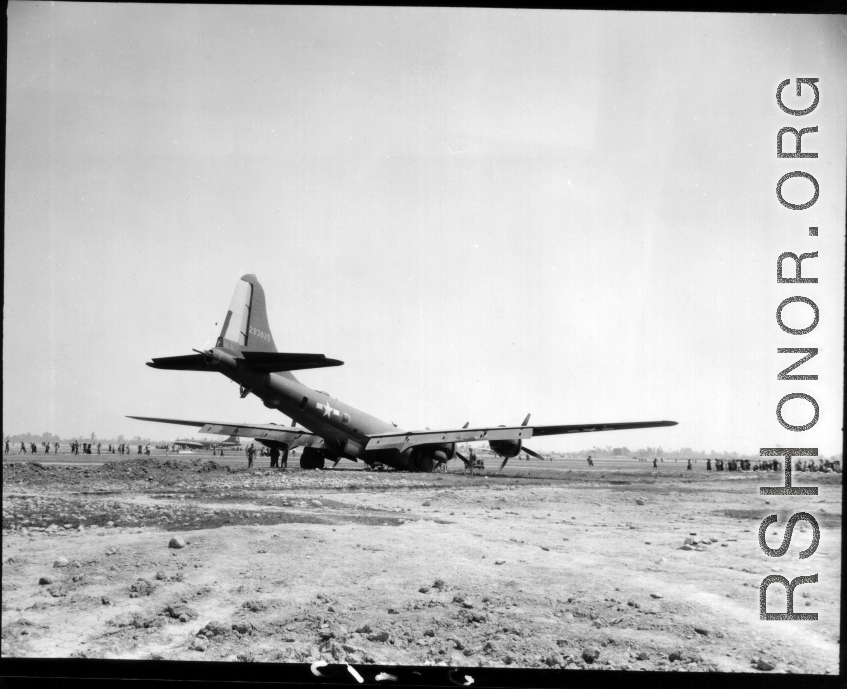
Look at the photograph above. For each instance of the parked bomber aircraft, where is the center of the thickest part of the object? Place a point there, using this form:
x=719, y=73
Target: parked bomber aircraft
x=245, y=353
x=231, y=442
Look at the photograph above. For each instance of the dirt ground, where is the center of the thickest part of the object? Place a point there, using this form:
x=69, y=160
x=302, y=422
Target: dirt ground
x=551, y=564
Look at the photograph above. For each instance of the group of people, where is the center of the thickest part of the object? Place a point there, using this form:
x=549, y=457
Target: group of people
x=76, y=447
x=824, y=465
x=274, y=453
x=33, y=448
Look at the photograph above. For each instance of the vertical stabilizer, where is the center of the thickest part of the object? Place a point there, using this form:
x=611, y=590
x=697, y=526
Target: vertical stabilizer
x=245, y=327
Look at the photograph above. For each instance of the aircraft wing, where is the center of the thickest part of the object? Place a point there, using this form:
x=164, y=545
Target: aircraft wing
x=406, y=439
x=294, y=437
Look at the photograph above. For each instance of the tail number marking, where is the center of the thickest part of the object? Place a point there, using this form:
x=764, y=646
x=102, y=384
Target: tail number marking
x=260, y=333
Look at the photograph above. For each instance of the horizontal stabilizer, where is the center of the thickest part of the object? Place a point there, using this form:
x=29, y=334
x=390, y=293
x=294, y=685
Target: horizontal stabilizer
x=271, y=362
x=186, y=362
x=261, y=362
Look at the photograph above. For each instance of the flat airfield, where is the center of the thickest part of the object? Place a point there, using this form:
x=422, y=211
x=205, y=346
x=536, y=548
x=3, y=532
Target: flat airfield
x=549, y=564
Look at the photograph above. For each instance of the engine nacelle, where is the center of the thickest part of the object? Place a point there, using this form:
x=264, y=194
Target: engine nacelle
x=505, y=448
x=426, y=458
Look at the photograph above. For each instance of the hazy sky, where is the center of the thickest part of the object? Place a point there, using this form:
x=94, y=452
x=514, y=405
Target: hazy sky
x=484, y=213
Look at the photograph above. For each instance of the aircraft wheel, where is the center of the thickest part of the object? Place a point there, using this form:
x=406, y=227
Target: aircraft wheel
x=426, y=464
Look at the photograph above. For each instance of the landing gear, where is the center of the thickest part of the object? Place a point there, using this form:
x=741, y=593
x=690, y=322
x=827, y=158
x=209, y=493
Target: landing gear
x=311, y=459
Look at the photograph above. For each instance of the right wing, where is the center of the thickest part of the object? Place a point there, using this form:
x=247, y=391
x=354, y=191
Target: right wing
x=293, y=437
x=403, y=440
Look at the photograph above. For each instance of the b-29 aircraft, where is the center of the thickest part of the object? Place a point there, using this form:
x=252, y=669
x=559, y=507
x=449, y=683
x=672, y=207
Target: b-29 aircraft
x=331, y=430
x=232, y=442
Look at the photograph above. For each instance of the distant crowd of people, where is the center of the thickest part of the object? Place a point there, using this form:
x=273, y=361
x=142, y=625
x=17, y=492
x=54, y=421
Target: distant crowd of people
x=76, y=447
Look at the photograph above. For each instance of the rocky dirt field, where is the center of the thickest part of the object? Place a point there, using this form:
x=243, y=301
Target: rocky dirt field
x=548, y=565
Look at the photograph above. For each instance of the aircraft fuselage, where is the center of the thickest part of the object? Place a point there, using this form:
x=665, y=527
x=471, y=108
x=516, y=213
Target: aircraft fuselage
x=344, y=429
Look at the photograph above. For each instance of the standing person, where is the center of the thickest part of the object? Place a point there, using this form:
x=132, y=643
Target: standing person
x=56, y=448
x=139, y=450
x=655, y=463
x=274, y=457
x=7, y=448
x=708, y=465
x=147, y=450
x=23, y=448
x=688, y=468
x=98, y=448
x=284, y=459
x=471, y=462
x=251, y=452
x=33, y=448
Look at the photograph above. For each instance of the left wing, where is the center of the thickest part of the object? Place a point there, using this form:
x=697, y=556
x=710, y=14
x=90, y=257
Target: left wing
x=293, y=437
x=401, y=441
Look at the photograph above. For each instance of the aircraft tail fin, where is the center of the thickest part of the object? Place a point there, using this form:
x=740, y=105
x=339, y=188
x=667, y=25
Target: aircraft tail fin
x=245, y=327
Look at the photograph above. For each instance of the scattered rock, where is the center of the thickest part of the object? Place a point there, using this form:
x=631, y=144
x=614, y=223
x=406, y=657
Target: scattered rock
x=161, y=576
x=105, y=600
x=764, y=665
x=701, y=630
x=639, y=501
x=439, y=584
x=212, y=629
x=60, y=562
x=364, y=629
x=180, y=612
x=242, y=627
x=141, y=587
x=674, y=656
x=423, y=589
x=689, y=541
x=544, y=547
x=656, y=595
x=427, y=504
x=499, y=562
x=686, y=547
x=177, y=542
x=643, y=655
x=590, y=654
x=43, y=581
x=381, y=637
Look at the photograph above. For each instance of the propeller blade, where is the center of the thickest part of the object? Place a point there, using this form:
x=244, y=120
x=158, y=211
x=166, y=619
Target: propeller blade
x=531, y=452
x=526, y=420
x=503, y=464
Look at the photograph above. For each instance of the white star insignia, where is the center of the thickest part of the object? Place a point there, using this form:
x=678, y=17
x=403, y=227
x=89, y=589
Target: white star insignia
x=328, y=411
